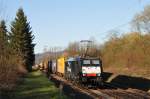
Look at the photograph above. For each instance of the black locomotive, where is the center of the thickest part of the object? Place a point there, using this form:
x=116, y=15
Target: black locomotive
x=84, y=70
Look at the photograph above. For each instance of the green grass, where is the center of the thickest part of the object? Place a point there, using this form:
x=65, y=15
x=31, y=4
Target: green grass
x=37, y=86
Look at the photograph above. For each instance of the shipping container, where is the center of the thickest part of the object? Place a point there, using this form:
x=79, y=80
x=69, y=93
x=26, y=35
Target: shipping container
x=45, y=66
x=54, y=66
x=49, y=69
x=61, y=66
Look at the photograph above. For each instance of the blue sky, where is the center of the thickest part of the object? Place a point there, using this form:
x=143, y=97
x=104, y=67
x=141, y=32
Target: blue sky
x=58, y=22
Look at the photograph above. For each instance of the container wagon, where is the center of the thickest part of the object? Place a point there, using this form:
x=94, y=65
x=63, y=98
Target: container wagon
x=54, y=66
x=60, y=70
x=49, y=68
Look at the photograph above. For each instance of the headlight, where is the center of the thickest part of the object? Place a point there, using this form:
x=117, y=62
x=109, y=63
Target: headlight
x=84, y=74
x=99, y=74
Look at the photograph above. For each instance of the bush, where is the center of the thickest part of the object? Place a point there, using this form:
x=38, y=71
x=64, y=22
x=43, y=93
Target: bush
x=10, y=72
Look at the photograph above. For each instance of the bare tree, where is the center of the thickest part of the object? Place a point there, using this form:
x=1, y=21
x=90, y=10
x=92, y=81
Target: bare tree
x=141, y=21
x=73, y=49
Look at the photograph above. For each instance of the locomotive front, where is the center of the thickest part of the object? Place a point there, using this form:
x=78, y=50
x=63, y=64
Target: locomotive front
x=91, y=71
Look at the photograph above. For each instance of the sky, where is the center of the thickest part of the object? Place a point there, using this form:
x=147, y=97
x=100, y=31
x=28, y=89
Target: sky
x=58, y=22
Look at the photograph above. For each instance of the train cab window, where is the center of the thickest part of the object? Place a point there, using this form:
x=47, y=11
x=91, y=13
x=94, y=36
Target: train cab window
x=95, y=62
x=86, y=62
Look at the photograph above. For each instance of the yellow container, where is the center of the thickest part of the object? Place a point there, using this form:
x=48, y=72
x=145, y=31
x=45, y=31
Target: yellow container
x=45, y=65
x=61, y=65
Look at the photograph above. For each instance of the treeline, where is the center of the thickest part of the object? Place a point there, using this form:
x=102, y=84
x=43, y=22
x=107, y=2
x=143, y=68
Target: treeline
x=16, y=51
x=129, y=50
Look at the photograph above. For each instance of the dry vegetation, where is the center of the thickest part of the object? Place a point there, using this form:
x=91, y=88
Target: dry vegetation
x=11, y=70
x=129, y=54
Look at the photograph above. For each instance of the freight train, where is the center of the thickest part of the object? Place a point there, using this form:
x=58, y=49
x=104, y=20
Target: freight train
x=77, y=69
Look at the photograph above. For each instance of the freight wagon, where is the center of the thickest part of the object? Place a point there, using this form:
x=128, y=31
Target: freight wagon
x=60, y=70
x=54, y=66
x=51, y=67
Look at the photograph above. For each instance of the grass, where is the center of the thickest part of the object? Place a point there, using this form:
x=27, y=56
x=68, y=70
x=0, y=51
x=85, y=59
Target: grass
x=37, y=86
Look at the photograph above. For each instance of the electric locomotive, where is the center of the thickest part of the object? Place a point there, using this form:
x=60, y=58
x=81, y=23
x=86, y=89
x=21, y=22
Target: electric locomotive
x=84, y=70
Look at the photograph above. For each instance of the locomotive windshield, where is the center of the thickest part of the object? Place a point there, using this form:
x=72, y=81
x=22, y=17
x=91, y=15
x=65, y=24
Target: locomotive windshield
x=86, y=62
x=91, y=62
x=95, y=62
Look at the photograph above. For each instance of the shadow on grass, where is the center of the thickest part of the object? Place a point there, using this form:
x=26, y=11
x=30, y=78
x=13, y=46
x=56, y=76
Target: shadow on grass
x=106, y=76
x=132, y=82
x=125, y=82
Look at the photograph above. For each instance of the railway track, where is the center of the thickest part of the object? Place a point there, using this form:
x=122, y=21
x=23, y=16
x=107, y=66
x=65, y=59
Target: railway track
x=108, y=91
x=77, y=91
x=130, y=93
